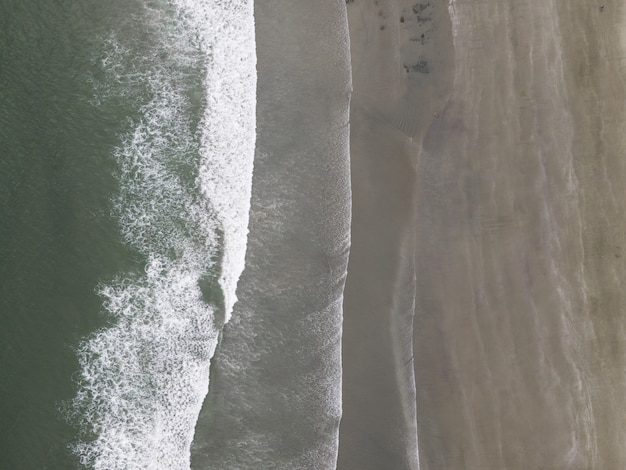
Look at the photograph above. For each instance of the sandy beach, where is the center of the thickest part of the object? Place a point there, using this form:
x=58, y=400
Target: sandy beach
x=594, y=51
x=401, y=64
x=488, y=187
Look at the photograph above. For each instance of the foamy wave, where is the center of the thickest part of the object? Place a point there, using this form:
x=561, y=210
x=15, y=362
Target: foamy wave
x=183, y=205
x=231, y=88
x=143, y=380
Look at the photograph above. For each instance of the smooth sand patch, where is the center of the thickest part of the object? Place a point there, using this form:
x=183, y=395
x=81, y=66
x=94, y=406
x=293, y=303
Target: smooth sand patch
x=401, y=53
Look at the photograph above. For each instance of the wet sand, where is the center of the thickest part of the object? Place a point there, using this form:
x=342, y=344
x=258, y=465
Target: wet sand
x=401, y=78
x=490, y=152
x=500, y=334
x=595, y=71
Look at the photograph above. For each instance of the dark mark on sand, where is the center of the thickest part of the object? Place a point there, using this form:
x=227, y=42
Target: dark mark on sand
x=419, y=67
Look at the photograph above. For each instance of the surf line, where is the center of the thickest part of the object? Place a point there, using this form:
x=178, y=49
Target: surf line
x=143, y=379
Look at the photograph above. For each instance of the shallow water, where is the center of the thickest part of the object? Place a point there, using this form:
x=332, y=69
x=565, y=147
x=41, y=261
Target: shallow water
x=275, y=399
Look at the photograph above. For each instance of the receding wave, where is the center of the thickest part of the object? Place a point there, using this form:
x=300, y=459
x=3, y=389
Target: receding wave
x=187, y=69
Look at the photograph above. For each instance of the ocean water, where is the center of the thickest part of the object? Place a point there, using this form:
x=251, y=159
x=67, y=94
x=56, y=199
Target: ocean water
x=127, y=136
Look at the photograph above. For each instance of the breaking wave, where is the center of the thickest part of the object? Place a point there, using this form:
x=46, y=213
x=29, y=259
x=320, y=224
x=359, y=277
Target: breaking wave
x=184, y=165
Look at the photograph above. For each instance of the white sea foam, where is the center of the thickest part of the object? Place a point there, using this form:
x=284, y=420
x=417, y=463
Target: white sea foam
x=231, y=87
x=183, y=206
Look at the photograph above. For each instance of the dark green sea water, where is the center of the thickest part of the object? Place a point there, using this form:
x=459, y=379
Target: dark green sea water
x=57, y=239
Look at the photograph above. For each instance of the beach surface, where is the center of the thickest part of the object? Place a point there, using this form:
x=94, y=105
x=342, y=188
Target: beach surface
x=401, y=68
x=488, y=220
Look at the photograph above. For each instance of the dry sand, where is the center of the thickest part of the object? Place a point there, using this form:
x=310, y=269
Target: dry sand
x=491, y=148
